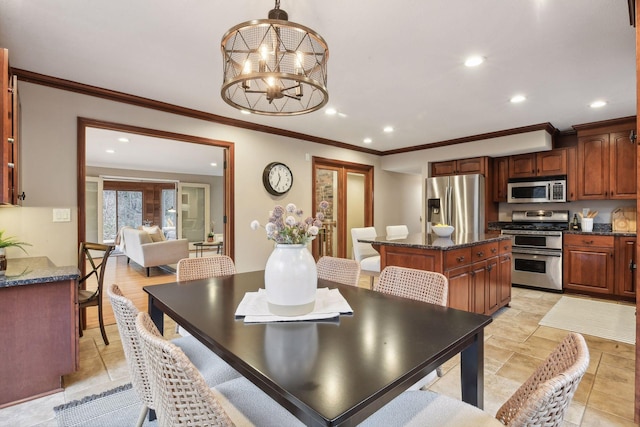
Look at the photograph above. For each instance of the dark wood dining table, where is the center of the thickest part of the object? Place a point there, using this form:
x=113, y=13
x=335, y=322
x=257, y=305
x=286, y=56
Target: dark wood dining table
x=335, y=372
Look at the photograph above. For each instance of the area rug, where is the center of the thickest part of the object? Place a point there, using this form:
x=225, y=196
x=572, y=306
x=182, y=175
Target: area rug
x=117, y=407
x=597, y=318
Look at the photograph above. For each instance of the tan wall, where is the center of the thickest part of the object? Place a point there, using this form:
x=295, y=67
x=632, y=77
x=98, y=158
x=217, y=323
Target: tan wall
x=49, y=130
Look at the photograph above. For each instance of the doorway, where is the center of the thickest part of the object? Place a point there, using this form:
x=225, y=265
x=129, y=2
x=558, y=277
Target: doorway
x=224, y=204
x=348, y=187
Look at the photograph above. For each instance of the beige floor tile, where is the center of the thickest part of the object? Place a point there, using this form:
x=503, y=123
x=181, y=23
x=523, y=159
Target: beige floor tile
x=584, y=389
x=612, y=403
x=621, y=362
x=534, y=346
x=519, y=367
x=595, y=418
x=610, y=378
x=32, y=412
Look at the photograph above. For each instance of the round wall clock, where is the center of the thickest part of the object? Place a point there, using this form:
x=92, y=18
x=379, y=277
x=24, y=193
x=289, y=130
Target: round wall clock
x=277, y=178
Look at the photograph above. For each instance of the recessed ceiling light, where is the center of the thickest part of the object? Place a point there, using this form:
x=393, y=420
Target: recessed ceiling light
x=214, y=164
x=331, y=111
x=518, y=98
x=245, y=112
x=388, y=129
x=123, y=139
x=367, y=140
x=110, y=151
x=474, y=61
x=598, y=104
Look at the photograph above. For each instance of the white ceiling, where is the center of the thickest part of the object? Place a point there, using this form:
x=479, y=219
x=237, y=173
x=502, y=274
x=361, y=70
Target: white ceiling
x=391, y=63
x=140, y=152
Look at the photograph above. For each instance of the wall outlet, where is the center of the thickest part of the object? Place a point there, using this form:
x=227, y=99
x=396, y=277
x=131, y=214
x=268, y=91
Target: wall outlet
x=62, y=215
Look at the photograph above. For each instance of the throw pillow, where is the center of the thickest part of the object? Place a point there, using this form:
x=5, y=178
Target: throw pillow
x=154, y=232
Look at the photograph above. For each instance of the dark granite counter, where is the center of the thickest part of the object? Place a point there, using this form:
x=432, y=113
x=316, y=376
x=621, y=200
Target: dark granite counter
x=433, y=241
x=603, y=233
x=27, y=271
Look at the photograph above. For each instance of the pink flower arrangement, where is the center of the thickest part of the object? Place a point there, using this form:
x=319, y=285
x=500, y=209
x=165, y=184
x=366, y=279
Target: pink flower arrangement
x=286, y=225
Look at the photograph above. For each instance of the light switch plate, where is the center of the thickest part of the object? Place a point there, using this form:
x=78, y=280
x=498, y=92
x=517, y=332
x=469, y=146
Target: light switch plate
x=62, y=215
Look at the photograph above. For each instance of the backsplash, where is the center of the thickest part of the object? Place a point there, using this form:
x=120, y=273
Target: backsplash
x=604, y=208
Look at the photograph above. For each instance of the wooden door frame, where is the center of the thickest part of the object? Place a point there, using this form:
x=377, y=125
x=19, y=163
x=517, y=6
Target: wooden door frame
x=343, y=167
x=229, y=161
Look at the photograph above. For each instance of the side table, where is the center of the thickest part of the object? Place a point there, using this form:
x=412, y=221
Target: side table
x=200, y=246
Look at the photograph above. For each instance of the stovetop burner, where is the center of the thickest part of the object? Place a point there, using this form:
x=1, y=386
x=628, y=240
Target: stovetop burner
x=542, y=220
x=538, y=226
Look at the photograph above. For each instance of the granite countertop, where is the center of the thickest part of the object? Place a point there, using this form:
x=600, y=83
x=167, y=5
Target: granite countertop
x=27, y=271
x=432, y=241
x=599, y=229
x=603, y=233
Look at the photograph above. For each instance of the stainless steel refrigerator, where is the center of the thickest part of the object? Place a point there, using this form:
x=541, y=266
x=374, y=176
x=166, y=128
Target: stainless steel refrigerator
x=456, y=200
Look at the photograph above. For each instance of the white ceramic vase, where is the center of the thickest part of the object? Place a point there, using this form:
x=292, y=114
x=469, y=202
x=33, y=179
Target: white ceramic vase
x=291, y=280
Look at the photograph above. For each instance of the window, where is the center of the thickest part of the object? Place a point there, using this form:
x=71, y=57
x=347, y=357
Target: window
x=120, y=208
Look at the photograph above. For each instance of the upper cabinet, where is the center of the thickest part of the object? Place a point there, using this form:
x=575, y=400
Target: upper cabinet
x=545, y=163
x=606, y=161
x=500, y=174
x=9, y=130
x=460, y=167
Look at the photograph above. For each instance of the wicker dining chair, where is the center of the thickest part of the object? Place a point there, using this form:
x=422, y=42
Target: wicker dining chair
x=545, y=397
x=213, y=369
x=542, y=400
x=421, y=285
x=204, y=267
x=97, y=255
x=182, y=396
x=341, y=270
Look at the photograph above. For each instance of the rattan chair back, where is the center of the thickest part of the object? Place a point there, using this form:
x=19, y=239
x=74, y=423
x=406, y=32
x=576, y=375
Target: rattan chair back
x=125, y=313
x=544, y=398
x=181, y=394
x=421, y=285
x=341, y=270
x=204, y=267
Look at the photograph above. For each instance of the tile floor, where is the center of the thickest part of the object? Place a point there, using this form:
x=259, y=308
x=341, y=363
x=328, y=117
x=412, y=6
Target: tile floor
x=514, y=346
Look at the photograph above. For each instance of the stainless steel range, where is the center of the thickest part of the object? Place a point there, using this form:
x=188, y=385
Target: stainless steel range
x=537, y=248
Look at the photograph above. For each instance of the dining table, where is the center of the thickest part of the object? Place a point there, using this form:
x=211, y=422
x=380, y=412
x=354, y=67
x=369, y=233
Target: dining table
x=330, y=372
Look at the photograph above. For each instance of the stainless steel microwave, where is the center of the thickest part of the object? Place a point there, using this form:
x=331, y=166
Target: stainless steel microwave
x=538, y=190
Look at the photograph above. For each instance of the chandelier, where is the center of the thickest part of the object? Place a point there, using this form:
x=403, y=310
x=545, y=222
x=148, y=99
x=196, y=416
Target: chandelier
x=274, y=67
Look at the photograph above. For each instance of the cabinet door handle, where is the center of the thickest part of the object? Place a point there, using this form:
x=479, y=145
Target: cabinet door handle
x=490, y=267
x=632, y=266
x=460, y=259
x=22, y=196
x=480, y=254
x=10, y=140
x=588, y=242
x=494, y=250
x=473, y=273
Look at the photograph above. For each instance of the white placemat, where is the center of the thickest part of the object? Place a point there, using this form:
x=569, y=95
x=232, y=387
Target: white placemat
x=329, y=304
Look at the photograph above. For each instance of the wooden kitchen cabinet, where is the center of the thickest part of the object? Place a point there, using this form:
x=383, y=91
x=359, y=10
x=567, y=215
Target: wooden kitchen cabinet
x=606, y=161
x=544, y=163
x=588, y=263
x=460, y=167
x=479, y=277
x=9, y=131
x=626, y=264
x=500, y=174
x=504, y=273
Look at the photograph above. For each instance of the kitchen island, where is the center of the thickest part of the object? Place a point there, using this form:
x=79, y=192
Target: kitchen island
x=477, y=266
x=38, y=331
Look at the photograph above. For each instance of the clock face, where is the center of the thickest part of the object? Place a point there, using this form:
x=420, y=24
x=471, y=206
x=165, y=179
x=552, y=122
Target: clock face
x=277, y=178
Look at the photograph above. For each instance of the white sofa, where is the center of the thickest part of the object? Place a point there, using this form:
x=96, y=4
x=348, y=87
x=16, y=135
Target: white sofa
x=151, y=249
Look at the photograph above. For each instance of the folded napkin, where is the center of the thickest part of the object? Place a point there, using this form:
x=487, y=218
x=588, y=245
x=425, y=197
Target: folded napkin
x=329, y=304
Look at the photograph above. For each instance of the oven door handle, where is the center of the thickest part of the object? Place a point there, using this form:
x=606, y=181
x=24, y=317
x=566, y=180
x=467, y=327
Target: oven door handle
x=536, y=252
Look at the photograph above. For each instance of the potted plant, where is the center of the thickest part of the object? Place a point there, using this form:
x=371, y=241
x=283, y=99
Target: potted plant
x=210, y=236
x=6, y=242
